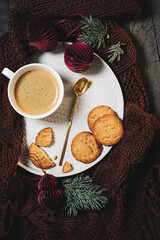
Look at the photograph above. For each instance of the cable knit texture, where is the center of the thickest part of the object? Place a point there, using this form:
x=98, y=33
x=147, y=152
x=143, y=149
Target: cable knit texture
x=129, y=172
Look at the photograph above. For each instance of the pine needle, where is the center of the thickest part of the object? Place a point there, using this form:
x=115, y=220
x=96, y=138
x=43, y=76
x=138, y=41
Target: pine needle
x=81, y=193
x=94, y=32
x=115, y=51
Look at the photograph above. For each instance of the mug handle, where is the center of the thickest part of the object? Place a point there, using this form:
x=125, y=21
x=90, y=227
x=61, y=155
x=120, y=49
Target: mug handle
x=8, y=73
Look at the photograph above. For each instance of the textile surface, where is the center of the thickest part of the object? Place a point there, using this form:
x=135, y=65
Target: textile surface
x=129, y=173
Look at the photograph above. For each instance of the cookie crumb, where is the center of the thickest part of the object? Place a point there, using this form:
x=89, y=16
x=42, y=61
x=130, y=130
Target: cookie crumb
x=55, y=157
x=67, y=167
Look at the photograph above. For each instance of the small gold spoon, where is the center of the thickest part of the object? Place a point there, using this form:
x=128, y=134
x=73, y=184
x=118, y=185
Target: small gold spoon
x=79, y=88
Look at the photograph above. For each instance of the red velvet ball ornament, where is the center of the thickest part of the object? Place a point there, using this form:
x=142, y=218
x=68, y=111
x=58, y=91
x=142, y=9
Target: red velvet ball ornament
x=78, y=56
x=50, y=198
x=42, y=34
x=47, y=182
x=50, y=195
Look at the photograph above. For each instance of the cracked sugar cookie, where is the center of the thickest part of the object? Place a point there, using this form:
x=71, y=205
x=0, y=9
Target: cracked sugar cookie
x=39, y=157
x=45, y=137
x=98, y=112
x=85, y=148
x=108, y=130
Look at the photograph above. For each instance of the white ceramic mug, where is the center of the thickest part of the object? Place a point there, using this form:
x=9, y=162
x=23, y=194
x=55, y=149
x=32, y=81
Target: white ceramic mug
x=14, y=78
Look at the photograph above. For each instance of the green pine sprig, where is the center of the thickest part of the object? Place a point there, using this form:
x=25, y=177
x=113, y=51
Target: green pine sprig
x=81, y=193
x=115, y=52
x=94, y=32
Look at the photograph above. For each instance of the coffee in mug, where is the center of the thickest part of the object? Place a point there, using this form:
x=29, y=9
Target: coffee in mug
x=36, y=92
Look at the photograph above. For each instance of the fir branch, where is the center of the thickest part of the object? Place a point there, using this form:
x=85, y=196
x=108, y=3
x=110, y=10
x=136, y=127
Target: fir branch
x=115, y=52
x=81, y=193
x=93, y=32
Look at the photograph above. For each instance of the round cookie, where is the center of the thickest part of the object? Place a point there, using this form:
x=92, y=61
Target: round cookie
x=85, y=148
x=97, y=112
x=108, y=130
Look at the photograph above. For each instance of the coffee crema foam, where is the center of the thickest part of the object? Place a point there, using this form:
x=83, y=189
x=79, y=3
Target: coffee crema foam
x=36, y=92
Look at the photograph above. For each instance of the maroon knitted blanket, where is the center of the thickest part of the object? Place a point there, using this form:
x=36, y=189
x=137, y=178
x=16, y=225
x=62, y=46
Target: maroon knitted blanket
x=129, y=172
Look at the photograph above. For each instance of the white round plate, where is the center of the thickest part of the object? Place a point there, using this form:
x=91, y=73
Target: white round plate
x=105, y=90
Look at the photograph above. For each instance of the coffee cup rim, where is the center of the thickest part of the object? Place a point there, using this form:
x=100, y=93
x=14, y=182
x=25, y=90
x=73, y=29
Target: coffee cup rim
x=16, y=75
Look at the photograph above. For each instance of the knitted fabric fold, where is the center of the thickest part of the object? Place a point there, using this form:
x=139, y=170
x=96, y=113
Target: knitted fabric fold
x=129, y=173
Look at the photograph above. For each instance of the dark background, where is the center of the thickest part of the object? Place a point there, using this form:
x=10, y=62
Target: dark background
x=145, y=34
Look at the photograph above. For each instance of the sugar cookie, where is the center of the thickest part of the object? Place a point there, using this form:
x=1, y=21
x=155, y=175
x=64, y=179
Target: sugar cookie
x=108, y=130
x=85, y=148
x=97, y=112
x=44, y=137
x=39, y=157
